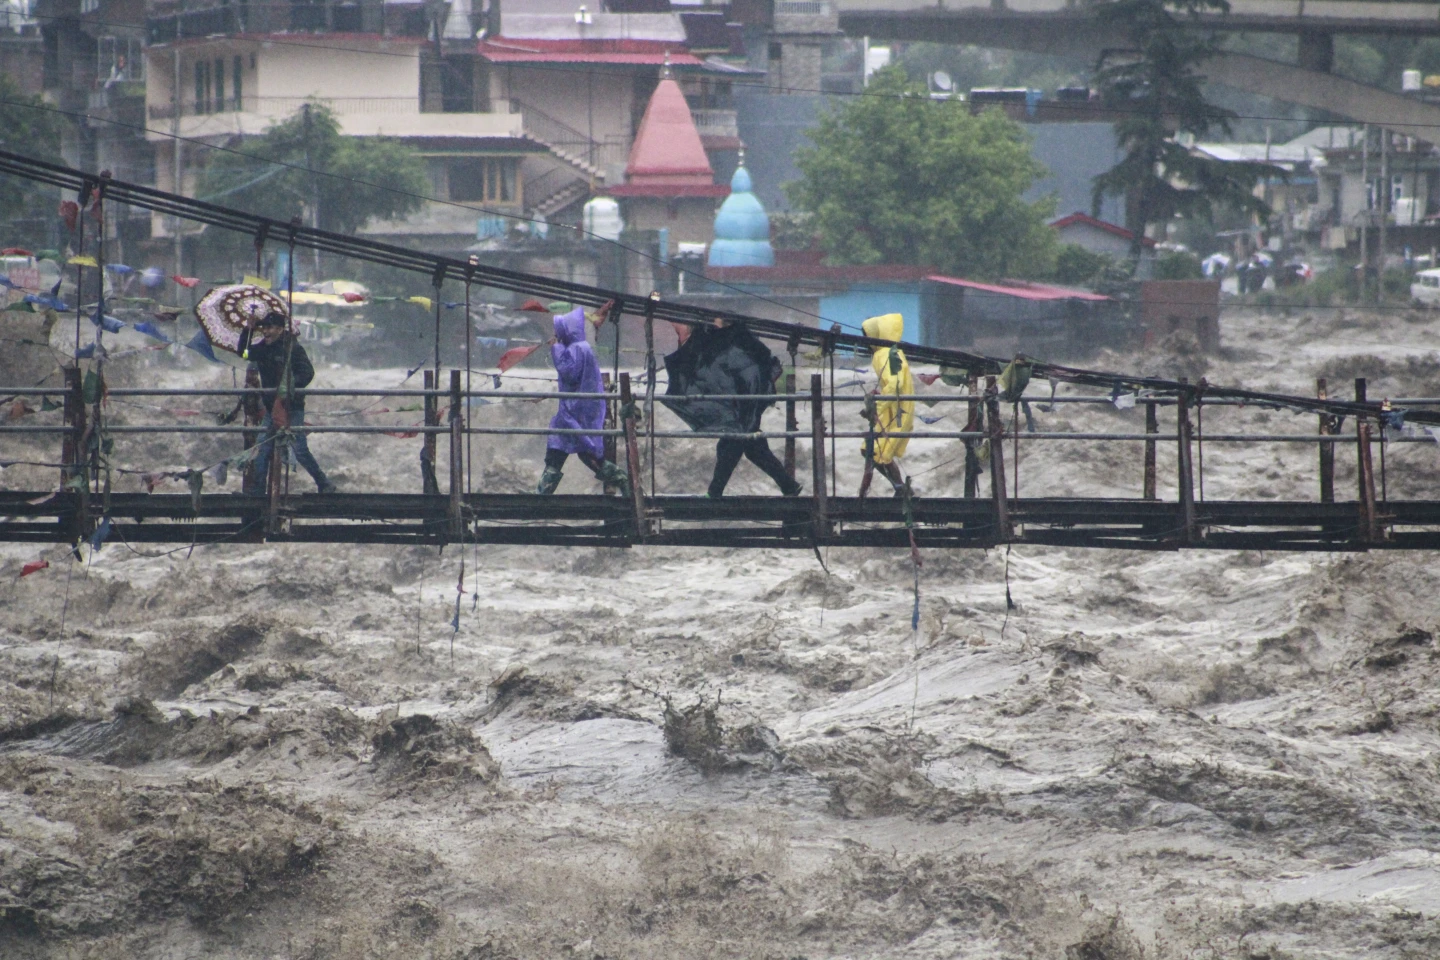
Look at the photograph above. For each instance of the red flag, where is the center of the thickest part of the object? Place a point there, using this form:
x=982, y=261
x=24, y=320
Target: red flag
x=353, y=297
x=34, y=566
x=187, y=282
x=534, y=306
x=70, y=213
x=927, y=378
x=15, y=252
x=514, y=355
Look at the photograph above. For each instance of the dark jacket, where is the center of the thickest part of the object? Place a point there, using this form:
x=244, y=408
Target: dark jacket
x=725, y=360
x=269, y=359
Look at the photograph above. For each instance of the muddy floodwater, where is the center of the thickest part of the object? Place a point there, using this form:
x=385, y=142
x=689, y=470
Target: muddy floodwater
x=284, y=752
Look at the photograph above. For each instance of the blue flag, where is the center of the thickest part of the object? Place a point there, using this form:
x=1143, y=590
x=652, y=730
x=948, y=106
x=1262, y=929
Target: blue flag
x=201, y=345
x=150, y=330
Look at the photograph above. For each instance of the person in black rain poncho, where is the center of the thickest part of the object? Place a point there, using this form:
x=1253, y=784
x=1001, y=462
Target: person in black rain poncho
x=727, y=359
x=268, y=353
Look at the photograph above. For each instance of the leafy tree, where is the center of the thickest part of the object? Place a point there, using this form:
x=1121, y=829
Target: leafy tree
x=29, y=127
x=895, y=177
x=1075, y=265
x=1155, y=89
x=1179, y=265
x=305, y=161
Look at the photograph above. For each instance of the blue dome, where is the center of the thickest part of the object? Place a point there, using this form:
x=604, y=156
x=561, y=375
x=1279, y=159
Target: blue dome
x=742, y=228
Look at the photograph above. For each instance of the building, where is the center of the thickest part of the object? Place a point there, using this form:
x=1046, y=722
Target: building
x=94, y=68
x=1097, y=236
x=1011, y=317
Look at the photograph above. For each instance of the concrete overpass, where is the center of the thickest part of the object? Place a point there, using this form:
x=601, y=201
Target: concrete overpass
x=1065, y=28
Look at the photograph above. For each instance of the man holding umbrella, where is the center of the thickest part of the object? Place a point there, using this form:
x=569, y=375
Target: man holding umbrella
x=285, y=370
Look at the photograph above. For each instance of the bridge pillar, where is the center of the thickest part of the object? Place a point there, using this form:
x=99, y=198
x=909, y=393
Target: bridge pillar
x=1317, y=50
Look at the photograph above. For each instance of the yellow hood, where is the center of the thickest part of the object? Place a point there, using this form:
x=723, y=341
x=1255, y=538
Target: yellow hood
x=889, y=326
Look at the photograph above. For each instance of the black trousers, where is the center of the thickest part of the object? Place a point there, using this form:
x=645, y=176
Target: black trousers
x=555, y=459
x=757, y=450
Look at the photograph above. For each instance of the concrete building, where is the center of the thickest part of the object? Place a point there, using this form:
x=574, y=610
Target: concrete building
x=1097, y=235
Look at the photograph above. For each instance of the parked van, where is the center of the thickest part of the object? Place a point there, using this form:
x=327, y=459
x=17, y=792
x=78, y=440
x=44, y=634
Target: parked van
x=1426, y=288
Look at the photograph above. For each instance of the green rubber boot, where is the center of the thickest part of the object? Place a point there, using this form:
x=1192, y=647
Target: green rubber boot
x=549, y=481
x=612, y=475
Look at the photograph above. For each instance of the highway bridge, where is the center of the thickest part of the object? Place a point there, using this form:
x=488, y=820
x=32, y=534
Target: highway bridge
x=1063, y=28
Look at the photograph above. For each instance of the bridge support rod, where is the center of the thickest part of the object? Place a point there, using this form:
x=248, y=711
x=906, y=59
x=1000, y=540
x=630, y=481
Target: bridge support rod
x=427, y=446
x=1368, y=531
x=72, y=452
x=628, y=412
x=1186, y=471
x=1152, y=426
x=817, y=457
x=457, y=460
x=996, y=431
x=1328, y=427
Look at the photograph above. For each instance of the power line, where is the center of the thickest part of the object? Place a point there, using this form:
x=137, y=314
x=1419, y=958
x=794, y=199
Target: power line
x=701, y=277
x=405, y=193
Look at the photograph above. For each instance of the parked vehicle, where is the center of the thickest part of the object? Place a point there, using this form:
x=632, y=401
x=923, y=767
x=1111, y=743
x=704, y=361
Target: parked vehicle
x=1425, y=289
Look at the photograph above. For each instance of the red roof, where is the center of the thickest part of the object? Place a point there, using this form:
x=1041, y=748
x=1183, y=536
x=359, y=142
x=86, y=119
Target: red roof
x=818, y=274
x=668, y=159
x=1084, y=219
x=1023, y=289
x=619, y=52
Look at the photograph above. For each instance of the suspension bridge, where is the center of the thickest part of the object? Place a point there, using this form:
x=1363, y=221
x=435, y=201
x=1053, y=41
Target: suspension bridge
x=443, y=507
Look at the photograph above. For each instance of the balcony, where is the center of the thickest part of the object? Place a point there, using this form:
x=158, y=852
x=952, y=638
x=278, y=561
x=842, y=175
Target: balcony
x=385, y=19
x=358, y=117
x=805, y=17
x=716, y=123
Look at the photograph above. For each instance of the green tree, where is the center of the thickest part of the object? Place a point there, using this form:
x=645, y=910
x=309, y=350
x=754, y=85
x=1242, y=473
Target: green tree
x=27, y=126
x=1155, y=88
x=304, y=164
x=895, y=177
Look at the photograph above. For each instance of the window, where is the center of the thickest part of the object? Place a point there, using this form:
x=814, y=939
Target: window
x=202, y=85
x=119, y=59
x=235, y=84
x=484, y=180
x=219, y=85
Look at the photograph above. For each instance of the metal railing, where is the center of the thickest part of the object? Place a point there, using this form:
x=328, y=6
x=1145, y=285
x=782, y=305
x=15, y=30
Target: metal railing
x=983, y=440
x=281, y=107
x=716, y=123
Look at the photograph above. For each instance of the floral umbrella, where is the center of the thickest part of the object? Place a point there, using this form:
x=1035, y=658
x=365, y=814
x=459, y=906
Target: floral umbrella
x=229, y=314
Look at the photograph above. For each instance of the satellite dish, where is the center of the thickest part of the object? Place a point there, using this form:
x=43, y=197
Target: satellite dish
x=942, y=80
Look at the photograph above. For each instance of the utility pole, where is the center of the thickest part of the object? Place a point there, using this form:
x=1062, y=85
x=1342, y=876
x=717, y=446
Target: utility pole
x=1384, y=210
x=1365, y=219
x=175, y=171
x=314, y=191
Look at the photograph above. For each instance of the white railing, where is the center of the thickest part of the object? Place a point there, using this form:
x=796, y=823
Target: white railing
x=285, y=106
x=716, y=123
x=802, y=8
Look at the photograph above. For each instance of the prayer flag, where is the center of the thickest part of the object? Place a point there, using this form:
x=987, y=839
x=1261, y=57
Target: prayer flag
x=34, y=566
x=516, y=354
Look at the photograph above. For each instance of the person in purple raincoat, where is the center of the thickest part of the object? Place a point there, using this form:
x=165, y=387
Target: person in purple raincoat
x=579, y=372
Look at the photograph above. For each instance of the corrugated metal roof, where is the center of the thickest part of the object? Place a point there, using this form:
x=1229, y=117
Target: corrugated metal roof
x=1023, y=289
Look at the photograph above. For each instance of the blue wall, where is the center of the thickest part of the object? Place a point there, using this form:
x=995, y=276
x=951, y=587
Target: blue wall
x=867, y=300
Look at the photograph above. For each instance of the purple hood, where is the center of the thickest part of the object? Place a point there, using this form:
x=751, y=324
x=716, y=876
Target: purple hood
x=570, y=327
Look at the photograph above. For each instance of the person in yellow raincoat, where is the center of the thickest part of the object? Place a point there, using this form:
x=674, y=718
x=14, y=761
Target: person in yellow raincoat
x=890, y=416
